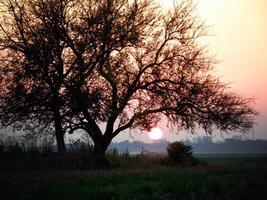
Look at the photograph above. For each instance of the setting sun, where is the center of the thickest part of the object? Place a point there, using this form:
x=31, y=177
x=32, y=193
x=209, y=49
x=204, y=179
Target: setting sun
x=155, y=134
x=133, y=99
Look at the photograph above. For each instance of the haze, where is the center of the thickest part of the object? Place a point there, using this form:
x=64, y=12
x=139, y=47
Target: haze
x=238, y=37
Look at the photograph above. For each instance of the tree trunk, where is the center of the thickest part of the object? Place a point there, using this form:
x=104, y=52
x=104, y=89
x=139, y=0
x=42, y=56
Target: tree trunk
x=100, y=148
x=100, y=153
x=61, y=148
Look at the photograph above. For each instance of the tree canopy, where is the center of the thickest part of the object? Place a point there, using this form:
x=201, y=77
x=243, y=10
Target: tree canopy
x=126, y=64
x=32, y=66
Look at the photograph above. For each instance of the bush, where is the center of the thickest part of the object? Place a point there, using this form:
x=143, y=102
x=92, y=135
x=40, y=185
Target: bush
x=178, y=152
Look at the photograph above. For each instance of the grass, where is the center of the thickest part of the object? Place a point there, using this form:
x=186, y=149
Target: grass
x=239, y=161
x=241, y=178
x=160, y=184
x=28, y=173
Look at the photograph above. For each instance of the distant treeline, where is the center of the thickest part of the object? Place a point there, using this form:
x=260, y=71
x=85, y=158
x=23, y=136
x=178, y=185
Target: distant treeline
x=202, y=145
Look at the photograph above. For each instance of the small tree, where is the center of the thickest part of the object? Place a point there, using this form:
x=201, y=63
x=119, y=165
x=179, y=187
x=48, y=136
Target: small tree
x=178, y=151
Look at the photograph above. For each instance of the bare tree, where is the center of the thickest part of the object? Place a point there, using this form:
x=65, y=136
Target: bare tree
x=32, y=66
x=144, y=66
x=77, y=64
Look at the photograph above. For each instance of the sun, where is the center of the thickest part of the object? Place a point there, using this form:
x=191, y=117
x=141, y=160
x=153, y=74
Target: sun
x=155, y=134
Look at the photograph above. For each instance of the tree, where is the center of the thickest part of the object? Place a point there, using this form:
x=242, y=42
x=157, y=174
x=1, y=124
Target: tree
x=32, y=66
x=144, y=66
x=77, y=64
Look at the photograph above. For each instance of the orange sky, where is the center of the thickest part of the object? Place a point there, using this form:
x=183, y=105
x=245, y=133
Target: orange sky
x=238, y=30
x=238, y=36
x=240, y=42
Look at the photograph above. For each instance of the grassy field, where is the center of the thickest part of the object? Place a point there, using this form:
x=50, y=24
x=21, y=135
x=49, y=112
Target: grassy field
x=237, y=177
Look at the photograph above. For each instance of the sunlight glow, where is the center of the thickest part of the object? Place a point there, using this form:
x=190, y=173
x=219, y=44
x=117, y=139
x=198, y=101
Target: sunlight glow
x=165, y=4
x=155, y=134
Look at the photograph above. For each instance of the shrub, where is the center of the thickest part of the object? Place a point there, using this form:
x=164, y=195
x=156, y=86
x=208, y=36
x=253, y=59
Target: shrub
x=178, y=151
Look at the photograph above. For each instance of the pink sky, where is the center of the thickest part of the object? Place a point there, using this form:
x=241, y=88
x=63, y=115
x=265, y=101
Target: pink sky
x=240, y=43
x=238, y=36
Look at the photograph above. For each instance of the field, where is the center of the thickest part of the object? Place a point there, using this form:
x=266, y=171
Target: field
x=215, y=177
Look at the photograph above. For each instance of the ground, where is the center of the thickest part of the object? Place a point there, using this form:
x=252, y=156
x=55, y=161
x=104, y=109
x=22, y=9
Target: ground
x=217, y=177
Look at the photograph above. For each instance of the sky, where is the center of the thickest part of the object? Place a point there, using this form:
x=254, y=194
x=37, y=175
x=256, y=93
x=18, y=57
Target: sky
x=237, y=35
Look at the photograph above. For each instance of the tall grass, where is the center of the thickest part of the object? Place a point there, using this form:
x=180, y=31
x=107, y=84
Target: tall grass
x=32, y=153
x=154, y=184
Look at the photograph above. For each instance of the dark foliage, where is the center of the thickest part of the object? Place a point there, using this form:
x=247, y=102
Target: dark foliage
x=32, y=67
x=178, y=152
x=1, y=149
x=244, y=179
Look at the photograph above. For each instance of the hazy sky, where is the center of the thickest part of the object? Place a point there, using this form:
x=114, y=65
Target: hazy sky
x=240, y=42
x=238, y=36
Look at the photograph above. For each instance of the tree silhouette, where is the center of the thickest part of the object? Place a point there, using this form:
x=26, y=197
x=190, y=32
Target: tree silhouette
x=124, y=64
x=32, y=66
x=147, y=65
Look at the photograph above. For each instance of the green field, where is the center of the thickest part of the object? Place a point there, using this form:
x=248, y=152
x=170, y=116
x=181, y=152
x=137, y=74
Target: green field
x=216, y=178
